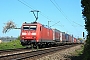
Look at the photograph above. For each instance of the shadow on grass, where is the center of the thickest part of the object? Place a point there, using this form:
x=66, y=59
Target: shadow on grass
x=80, y=57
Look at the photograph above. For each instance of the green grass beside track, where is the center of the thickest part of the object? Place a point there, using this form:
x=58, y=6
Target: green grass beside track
x=10, y=45
x=78, y=54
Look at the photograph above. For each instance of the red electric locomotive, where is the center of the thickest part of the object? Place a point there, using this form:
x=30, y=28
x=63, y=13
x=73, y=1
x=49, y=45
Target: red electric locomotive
x=35, y=33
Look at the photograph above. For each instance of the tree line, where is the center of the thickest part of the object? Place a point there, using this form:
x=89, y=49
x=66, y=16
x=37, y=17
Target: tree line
x=85, y=4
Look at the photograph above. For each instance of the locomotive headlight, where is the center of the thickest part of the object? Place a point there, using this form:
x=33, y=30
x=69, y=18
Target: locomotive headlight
x=22, y=37
x=23, y=33
x=33, y=33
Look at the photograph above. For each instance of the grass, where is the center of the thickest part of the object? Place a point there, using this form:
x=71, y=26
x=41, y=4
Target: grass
x=11, y=45
x=80, y=51
x=78, y=54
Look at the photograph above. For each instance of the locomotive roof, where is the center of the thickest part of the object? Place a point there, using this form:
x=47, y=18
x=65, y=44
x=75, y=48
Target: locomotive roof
x=35, y=23
x=30, y=23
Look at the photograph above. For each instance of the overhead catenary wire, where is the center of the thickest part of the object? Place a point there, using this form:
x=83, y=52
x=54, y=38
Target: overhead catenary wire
x=59, y=9
x=26, y=4
x=55, y=23
x=33, y=8
x=61, y=25
x=66, y=16
x=42, y=14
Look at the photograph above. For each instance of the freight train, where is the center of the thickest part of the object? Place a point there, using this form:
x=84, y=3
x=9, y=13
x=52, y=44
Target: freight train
x=37, y=34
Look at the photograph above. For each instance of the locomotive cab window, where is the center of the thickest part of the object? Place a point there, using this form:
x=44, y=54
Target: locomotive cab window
x=33, y=27
x=25, y=27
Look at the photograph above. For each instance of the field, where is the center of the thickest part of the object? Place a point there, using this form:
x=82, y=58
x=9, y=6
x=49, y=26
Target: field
x=10, y=45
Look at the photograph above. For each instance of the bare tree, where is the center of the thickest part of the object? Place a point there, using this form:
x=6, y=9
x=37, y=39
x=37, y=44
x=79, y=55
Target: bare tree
x=8, y=26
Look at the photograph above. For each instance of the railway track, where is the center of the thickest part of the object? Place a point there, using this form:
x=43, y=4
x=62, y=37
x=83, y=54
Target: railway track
x=11, y=51
x=29, y=54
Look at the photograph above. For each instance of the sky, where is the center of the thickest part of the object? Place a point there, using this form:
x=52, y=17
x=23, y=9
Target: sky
x=66, y=13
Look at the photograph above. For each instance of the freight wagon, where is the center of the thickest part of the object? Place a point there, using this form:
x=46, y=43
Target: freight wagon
x=56, y=35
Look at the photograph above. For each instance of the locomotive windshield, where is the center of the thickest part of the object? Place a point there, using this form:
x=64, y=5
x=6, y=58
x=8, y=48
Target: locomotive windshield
x=29, y=27
x=32, y=27
x=26, y=27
